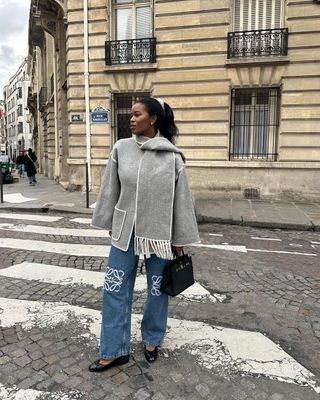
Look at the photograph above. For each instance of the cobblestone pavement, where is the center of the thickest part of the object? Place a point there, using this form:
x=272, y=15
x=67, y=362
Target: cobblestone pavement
x=274, y=291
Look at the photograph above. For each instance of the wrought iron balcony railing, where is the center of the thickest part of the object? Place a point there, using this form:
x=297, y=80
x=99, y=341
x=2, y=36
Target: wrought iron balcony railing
x=43, y=97
x=131, y=51
x=263, y=42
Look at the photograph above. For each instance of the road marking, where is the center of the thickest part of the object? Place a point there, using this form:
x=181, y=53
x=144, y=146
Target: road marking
x=14, y=393
x=82, y=220
x=265, y=238
x=216, y=348
x=241, y=249
x=283, y=252
x=16, y=198
x=73, y=277
x=295, y=245
x=30, y=217
x=46, y=230
x=84, y=250
x=315, y=242
x=215, y=234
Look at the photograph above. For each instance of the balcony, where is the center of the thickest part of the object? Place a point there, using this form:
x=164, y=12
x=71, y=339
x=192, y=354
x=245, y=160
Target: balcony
x=260, y=43
x=43, y=97
x=133, y=51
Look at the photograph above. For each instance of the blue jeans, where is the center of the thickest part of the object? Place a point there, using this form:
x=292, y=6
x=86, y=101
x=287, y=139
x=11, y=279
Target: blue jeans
x=117, y=303
x=32, y=179
x=21, y=169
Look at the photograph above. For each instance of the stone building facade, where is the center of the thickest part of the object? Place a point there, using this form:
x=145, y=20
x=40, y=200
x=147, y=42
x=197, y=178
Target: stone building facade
x=18, y=135
x=242, y=76
x=3, y=135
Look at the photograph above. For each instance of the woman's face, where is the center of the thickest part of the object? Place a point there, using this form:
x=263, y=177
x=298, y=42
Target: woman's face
x=140, y=122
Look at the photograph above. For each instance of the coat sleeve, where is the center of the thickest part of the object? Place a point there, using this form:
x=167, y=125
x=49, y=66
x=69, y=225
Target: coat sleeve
x=108, y=196
x=185, y=228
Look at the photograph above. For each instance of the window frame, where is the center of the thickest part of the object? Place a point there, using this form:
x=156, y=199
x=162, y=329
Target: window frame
x=113, y=21
x=254, y=129
x=233, y=24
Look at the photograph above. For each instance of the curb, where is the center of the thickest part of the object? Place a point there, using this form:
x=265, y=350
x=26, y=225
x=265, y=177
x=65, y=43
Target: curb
x=202, y=219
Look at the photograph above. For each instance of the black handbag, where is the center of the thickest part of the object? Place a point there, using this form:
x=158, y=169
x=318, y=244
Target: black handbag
x=177, y=275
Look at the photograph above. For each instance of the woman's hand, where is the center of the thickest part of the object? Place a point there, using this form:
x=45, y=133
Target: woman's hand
x=177, y=250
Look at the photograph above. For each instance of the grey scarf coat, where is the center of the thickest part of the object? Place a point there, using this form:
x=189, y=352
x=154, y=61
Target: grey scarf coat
x=145, y=190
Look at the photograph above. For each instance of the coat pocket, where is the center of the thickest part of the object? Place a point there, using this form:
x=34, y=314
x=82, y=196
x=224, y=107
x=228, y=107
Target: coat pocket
x=118, y=219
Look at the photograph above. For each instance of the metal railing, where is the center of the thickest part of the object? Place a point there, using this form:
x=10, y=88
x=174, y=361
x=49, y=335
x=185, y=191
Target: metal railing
x=263, y=42
x=43, y=97
x=131, y=51
x=254, y=124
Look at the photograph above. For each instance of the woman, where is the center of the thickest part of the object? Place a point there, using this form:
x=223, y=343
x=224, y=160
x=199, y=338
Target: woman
x=146, y=204
x=30, y=167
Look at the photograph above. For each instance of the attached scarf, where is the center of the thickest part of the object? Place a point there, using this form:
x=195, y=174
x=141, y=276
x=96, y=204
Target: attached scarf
x=155, y=197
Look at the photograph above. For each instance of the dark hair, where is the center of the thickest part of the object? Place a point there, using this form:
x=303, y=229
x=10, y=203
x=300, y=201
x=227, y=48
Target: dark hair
x=165, y=118
x=30, y=151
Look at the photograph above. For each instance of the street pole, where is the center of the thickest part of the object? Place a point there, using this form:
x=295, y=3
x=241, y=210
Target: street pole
x=1, y=185
x=87, y=185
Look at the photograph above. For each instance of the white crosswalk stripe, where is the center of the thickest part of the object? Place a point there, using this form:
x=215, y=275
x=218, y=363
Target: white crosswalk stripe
x=241, y=351
x=30, y=217
x=50, y=230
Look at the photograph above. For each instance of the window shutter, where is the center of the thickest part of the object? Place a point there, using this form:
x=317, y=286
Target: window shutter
x=143, y=22
x=277, y=14
x=245, y=16
x=237, y=13
x=124, y=23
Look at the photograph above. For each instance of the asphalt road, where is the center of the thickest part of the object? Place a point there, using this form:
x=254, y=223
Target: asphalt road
x=249, y=329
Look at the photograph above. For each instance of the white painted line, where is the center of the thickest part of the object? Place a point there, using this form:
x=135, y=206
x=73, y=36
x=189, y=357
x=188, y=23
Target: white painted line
x=82, y=220
x=16, y=198
x=295, y=245
x=241, y=249
x=283, y=252
x=215, y=348
x=84, y=250
x=46, y=230
x=215, y=234
x=315, y=242
x=73, y=277
x=30, y=217
x=265, y=238
x=14, y=393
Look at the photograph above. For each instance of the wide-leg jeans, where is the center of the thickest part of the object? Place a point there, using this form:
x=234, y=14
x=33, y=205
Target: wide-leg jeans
x=119, y=282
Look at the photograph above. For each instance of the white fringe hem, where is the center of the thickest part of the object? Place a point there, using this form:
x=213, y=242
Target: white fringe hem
x=161, y=248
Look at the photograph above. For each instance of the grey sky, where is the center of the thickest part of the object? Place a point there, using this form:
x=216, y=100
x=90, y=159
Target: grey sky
x=14, y=18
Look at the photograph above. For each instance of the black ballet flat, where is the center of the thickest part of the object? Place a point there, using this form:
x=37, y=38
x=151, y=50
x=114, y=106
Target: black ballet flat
x=151, y=356
x=97, y=367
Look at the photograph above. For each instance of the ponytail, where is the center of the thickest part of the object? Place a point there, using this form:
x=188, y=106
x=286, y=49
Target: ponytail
x=165, y=117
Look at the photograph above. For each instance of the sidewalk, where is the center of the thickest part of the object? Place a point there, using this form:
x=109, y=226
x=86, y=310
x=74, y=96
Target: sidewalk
x=47, y=195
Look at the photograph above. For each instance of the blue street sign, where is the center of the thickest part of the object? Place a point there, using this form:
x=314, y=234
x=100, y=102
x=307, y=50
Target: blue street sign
x=99, y=115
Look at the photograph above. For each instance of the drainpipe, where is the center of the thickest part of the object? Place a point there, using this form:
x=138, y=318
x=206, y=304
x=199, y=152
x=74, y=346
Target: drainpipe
x=56, y=132
x=39, y=155
x=86, y=89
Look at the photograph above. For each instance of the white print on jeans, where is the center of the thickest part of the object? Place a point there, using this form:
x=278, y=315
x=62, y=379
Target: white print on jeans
x=113, y=279
x=156, y=282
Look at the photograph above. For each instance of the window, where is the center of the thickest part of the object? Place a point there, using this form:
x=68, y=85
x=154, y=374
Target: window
x=257, y=29
x=132, y=19
x=19, y=94
x=20, y=110
x=250, y=15
x=122, y=105
x=20, y=127
x=254, y=123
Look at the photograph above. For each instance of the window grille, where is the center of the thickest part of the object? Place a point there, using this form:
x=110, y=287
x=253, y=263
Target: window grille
x=254, y=124
x=123, y=103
